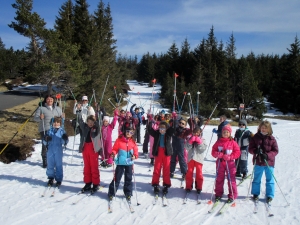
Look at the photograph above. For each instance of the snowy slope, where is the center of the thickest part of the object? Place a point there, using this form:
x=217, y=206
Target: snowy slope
x=22, y=184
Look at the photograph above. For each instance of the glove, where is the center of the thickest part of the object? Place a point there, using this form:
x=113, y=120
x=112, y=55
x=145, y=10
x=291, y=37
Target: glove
x=174, y=114
x=226, y=157
x=264, y=156
x=220, y=155
x=48, y=138
x=198, y=140
x=116, y=112
x=215, y=131
x=192, y=139
x=64, y=137
x=257, y=150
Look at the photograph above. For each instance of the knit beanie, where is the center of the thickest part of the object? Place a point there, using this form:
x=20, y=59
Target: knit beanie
x=228, y=128
x=106, y=118
x=243, y=122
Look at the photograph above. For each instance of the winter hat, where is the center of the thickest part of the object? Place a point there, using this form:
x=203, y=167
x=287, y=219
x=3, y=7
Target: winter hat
x=243, y=122
x=228, y=128
x=128, y=114
x=106, y=118
x=84, y=98
x=163, y=112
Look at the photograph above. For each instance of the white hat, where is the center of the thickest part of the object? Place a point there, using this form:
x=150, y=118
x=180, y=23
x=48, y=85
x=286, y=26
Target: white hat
x=84, y=98
x=106, y=118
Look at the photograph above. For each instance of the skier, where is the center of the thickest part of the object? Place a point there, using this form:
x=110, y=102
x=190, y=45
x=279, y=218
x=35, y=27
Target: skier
x=242, y=137
x=91, y=145
x=44, y=116
x=162, y=151
x=124, y=152
x=54, y=139
x=195, y=146
x=226, y=150
x=137, y=117
x=107, y=129
x=264, y=148
x=223, y=122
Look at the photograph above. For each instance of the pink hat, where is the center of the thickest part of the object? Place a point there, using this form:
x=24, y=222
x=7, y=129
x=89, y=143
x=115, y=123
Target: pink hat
x=228, y=128
x=128, y=114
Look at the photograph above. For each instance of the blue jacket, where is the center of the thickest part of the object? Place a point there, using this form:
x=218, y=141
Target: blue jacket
x=56, y=135
x=136, y=115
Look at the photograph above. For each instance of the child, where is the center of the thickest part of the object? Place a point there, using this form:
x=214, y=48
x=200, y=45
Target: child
x=107, y=129
x=223, y=122
x=226, y=150
x=242, y=137
x=264, y=148
x=162, y=151
x=121, y=119
x=155, y=126
x=126, y=150
x=90, y=153
x=54, y=139
x=195, y=147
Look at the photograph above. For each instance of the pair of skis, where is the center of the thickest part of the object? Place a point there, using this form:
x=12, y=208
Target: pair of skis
x=267, y=205
x=110, y=205
x=48, y=188
x=223, y=209
x=187, y=196
x=164, y=198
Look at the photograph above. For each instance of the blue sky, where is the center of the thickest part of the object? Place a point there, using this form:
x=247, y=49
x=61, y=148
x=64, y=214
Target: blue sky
x=141, y=26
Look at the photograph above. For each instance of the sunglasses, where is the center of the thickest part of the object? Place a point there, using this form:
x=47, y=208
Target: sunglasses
x=129, y=132
x=162, y=129
x=182, y=123
x=241, y=124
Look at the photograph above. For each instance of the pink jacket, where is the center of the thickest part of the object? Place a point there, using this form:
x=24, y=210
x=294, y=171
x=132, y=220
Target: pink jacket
x=107, y=133
x=224, y=144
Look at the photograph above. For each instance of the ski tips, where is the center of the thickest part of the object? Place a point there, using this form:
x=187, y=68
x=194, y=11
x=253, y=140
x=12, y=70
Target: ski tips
x=138, y=203
x=209, y=202
x=233, y=204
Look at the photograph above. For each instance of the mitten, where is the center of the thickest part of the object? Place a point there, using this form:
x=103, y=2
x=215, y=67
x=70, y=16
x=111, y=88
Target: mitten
x=257, y=150
x=198, y=140
x=215, y=130
x=227, y=157
x=220, y=155
x=64, y=137
x=192, y=139
x=174, y=114
x=48, y=138
x=116, y=112
x=264, y=156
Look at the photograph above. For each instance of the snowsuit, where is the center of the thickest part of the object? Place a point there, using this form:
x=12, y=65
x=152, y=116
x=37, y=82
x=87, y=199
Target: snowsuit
x=137, y=117
x=178, y=149
x=90, y=152
x=123, y=150
x=45, y=124
x=268, y=145
x=242, y=137
x=222, y=145
x=162, y=151
x=107, y=141
x=55, y=153
x=151, y=139
x=195, y=161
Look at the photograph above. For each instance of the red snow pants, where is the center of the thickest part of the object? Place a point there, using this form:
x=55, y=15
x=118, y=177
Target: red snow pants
x=161, y=161
x=189, y=175
x=91, y=164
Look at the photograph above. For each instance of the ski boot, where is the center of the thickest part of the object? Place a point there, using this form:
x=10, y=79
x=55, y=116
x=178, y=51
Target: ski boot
x=87, y=187
x=50, y=181
x=94, y=189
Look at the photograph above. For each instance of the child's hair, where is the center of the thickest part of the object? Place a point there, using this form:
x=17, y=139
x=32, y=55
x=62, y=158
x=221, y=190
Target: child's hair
x=197, y=129
x=163, y=123
x=122, y=110
x=91, y=117
x=155, y=117
x=57, y=119
x=268, y=125
x=224, y=117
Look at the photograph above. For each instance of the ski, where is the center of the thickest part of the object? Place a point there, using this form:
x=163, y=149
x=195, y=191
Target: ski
x=198, y=198
x=130, y=206
x=241, y=181
x=226, y=206
x=78, y=200
x=165, y=200
x=110, y=203
x=255, y=206
x=70, y=196
x=186, y=197
x=213, y=208
x=54, y=191
x=47, y=188
x=155, y=198
x=269, y=210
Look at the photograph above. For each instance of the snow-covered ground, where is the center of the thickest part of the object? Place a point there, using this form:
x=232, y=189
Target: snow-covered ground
x=22, y=184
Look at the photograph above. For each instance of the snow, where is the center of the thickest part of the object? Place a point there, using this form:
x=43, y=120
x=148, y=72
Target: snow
x=23, y=182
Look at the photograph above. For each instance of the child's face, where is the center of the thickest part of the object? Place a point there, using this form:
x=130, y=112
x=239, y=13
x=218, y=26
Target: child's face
x=90, y=123
x=56, y=124
x=162, y=129
x=263, y=129
x=105, y=122
x=225, y=134
x=197, y=133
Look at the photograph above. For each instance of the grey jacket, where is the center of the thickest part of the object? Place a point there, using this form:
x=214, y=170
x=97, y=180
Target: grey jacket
x=48, y=115
x=195, y=151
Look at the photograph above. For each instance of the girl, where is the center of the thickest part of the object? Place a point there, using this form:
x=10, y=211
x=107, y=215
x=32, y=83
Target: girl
x=264, y=148
x=242, y=137
x=162, y=151
x=121, y=120
x=90, y=153
x=126, y=150
x=195, y=147
x=226, y=150
x=54, y=139
x=155, y=126
x=107, y=129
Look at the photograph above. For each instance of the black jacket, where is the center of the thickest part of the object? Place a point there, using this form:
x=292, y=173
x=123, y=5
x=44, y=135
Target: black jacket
x=168, y=140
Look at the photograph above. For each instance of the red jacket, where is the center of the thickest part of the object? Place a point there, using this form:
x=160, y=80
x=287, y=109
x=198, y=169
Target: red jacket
x=226, y=144
x=268, y=144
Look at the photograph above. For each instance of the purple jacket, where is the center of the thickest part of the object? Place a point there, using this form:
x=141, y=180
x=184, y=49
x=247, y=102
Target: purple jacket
x=106, y=134
x=268, y=144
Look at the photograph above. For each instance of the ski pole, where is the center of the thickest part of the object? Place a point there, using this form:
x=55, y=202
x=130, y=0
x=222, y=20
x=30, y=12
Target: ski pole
x=229, y=180
x=182, y=102
x=212, y=192
x=209, y=144
x=74, y=137
x=251, y=179
x=135, y=185
x=198, y=93
x=111, y=103
x=152, y=99
x=139, y=98
x=191, y=102
x=190, y=108
x=175, y=76
x=276, y=181
x=117, y=100
x=114, y=178
x=210, y=116
x=94, y=95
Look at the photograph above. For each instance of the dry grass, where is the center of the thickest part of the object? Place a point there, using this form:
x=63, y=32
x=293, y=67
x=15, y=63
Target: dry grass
x=3, y=88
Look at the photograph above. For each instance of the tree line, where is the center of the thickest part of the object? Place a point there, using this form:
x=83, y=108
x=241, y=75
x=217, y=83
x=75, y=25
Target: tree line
x=80, y=52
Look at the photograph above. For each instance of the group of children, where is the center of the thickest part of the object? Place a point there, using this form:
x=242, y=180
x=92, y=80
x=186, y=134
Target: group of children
x=170, y=140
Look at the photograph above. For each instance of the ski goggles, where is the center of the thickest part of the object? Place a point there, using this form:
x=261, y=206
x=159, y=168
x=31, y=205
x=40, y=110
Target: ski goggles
x=241, y=124
x=162, y=129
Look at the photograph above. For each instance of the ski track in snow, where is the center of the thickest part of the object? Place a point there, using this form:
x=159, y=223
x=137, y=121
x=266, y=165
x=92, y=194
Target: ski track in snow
x=23, y=182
